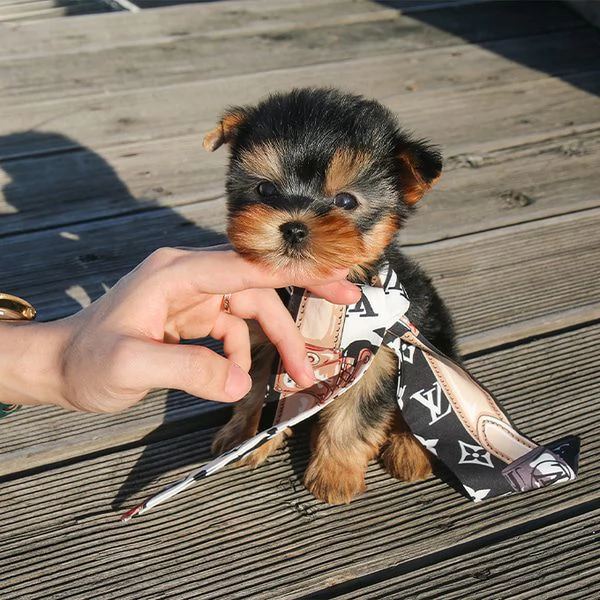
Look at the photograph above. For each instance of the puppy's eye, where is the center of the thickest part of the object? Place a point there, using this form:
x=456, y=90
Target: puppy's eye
x=345, y=201
x=266, y=189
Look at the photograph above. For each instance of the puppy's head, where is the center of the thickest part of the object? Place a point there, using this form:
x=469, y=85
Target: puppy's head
x=319, y=179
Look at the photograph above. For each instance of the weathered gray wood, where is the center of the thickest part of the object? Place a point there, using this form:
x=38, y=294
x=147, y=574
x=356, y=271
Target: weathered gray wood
x=502, y=286
x=243, y=534
x=43, y=436
x=531, y=328
x=12, y=12
x=222, y=20
x=440, y=63
x=486, y=188
x=237, y=18
x=518, y=202
x=522, y=268
x=539, y=106
x=489, y=188
x=544, y=564
x=546, y=265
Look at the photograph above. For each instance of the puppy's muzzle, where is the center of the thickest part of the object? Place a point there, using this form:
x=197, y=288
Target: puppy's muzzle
x=294, y=233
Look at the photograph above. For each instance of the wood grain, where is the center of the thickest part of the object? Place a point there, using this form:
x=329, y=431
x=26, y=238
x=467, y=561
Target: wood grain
x=552, y=566
x=219, y=526
x=484, y=188
x=538, y=105
x=236, y=18
x=444, y=62
x=100, y=162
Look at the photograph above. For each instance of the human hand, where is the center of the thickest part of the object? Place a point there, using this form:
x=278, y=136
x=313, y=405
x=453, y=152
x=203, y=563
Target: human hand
x=112, y=353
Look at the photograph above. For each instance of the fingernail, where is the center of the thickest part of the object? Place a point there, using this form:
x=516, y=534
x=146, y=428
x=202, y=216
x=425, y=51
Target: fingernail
x=350, y=286
x=238, y=382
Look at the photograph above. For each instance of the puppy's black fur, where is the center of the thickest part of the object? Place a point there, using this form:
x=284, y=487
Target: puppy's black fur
x=320, y=179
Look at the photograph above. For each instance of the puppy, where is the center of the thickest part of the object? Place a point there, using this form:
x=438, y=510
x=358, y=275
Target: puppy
x=320, y=179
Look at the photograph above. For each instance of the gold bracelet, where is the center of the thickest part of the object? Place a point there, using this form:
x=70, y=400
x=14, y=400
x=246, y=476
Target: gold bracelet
x=13, y=308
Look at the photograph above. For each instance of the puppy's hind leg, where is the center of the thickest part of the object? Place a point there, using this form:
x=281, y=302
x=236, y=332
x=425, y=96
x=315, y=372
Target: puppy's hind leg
x=350, y=433
x=404, y=457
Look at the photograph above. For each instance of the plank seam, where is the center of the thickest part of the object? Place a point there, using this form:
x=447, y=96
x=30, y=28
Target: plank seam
x=437, y=557
x=519, y=340
x=460, y=239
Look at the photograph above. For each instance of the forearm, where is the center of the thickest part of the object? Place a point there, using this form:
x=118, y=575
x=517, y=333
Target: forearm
x=30, y=363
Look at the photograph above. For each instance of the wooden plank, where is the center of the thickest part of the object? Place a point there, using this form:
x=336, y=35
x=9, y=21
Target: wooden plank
x=42, y=436
x=559, y=560
x=505, y=335
x=457, y=117
x=489, y=188
x=431, y=59
x=485, y=188
x=66, y=543
x=44, y=266
x=60, y=269
x=503, y=277
x=238, y=18
x=214, y=536
x=230, y=20
x=501, y=286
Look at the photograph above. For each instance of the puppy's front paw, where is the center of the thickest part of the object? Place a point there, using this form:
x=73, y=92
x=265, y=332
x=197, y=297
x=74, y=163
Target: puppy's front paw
x=405, y=458
x=238, y=431
x=334, y=482
x=263, y=452
x=232, y=434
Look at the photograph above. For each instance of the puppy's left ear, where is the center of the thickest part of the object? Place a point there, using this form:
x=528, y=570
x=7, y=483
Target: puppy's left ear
x=420, y=168
x=226, y=130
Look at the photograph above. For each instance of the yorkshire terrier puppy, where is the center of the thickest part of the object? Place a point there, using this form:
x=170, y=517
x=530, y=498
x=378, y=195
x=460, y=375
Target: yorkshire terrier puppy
x=320, y=179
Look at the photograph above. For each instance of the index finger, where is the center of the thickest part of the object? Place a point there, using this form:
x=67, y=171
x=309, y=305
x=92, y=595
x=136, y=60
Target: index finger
x=222, y=272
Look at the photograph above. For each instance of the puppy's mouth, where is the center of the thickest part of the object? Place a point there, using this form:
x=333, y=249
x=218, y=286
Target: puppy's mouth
x=306, y=243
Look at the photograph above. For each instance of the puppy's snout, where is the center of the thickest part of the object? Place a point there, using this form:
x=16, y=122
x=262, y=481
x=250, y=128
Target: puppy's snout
x=294, y=232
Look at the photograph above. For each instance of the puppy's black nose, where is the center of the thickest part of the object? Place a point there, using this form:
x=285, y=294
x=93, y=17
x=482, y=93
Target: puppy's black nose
x=294, y=232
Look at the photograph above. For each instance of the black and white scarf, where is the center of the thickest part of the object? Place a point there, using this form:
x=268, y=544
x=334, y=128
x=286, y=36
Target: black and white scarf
x=449, y=412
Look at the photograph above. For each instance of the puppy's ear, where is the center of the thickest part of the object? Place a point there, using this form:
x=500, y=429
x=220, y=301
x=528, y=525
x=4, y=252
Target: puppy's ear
x=226, y=130
x=420, y=168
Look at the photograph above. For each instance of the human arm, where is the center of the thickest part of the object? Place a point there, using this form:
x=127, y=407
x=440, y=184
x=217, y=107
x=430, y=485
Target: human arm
x=110, y=354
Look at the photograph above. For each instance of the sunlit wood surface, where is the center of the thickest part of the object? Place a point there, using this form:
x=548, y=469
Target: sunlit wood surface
x=101, y=161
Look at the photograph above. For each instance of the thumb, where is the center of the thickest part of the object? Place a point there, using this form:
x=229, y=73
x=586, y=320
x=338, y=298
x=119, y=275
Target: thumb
x=193, y=369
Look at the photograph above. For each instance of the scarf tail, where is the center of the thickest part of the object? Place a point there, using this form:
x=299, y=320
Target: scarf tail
x=461, y=423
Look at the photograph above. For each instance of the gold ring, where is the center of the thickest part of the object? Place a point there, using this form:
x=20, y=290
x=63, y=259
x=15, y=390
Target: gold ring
x=13, y=308
x=226, y=304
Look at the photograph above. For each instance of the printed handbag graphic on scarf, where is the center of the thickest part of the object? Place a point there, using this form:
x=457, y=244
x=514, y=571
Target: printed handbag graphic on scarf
x=449, y=412
x=460, y=422
x=321, y=324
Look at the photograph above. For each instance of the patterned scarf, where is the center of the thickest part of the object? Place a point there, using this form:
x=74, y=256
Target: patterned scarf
x=449, y=412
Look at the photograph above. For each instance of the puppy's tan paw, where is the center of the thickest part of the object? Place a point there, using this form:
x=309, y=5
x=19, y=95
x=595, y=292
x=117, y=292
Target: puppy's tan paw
x=405, y=458
x=263, y=452
x=333, y=482
x=236, y=432
x=231, y=435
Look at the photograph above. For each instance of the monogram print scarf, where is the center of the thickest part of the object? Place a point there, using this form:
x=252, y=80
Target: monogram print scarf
x=449, y=412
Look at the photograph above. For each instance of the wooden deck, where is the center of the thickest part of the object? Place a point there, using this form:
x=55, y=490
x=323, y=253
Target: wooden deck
x=101, y=161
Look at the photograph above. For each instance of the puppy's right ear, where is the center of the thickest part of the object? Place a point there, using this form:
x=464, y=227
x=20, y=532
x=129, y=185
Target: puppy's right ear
x=226, y=130
x=420, y=167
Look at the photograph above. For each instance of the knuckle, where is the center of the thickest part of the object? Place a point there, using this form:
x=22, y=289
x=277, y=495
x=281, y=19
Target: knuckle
x=243, y=329
x=162, y=257
x=201, y=368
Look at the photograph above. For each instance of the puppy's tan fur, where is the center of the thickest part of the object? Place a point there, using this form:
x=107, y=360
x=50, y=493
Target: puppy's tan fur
x=339, y=169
